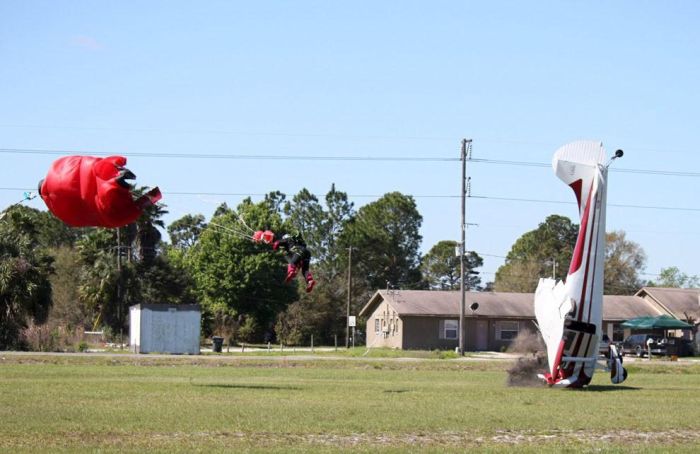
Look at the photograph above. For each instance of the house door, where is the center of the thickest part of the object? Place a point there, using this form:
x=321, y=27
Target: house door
x=482, y=335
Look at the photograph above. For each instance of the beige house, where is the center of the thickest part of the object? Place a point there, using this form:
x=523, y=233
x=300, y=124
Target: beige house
x=423, y=319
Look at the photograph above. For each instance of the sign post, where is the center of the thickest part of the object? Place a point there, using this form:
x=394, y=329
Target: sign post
x=351, y=324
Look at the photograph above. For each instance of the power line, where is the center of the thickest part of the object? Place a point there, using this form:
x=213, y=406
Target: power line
x=33, y=151
x=534, y=261
x=416, y=196
x=373, y=196
x=540, y=144
x=247, y=133
x=617, y=205
x=614, y=169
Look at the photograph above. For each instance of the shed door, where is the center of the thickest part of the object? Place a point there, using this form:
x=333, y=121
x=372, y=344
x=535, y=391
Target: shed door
x=482, y=335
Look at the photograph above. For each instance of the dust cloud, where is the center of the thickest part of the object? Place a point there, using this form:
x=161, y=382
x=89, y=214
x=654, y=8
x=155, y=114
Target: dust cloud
x=525, y=369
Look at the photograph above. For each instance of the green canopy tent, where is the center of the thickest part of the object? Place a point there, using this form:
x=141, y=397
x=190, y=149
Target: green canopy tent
x=658, y=322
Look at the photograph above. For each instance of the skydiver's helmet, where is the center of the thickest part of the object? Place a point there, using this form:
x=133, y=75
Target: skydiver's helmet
x=294, y=238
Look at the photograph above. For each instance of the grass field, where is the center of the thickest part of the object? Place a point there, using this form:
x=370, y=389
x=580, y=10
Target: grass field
x=185, y=404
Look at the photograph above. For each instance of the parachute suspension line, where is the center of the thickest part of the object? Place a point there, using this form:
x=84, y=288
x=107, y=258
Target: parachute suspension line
x=242, y=230
x=230, y=231
x=29, y=195
x=240, y=218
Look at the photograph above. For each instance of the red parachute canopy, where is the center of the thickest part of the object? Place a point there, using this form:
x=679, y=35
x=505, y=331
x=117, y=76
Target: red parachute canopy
x=86, y=191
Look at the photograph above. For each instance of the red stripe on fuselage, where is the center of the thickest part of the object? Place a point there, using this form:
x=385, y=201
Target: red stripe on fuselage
x=577, y=258
x=576, y=186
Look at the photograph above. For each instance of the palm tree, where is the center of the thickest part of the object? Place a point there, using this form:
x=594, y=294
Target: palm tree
x=25, y=291
x=147, y=238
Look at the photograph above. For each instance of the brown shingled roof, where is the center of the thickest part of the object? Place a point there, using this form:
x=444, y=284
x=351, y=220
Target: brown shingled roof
x=494, y=304
x=678, y=301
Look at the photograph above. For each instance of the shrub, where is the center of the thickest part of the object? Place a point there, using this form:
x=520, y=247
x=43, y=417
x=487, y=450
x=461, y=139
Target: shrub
x=51, y=338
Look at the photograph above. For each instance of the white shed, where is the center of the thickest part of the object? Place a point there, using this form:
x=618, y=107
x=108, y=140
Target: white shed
x=164, y=328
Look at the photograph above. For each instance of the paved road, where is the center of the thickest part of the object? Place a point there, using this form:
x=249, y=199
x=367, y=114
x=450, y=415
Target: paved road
x=305, y=355
x=298, y=355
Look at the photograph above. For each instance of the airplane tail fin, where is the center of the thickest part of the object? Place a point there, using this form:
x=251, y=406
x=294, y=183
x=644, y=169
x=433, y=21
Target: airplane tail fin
x=576, y=164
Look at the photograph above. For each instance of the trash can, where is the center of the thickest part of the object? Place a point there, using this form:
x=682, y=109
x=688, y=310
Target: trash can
x=217, y=343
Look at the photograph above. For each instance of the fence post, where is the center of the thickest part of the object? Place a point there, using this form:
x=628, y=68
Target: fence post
x=312, y=343
x=335, y=336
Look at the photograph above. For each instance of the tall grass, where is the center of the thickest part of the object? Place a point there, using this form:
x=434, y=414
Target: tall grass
x=185, y=404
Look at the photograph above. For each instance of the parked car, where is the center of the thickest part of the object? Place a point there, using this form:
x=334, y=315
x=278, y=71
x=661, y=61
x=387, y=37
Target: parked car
x=679, y=346
x=637, y=344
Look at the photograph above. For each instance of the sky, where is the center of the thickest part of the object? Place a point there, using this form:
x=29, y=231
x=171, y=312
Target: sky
x=220, y=100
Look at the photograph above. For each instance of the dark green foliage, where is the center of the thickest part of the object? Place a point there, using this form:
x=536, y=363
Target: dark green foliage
x=322, y=312
x=536, y=254
x=25, y=291
x=441, y=267
x=386, y=239
x=673, y=277
x=184, y=233
x=546, y=252
x=109, y=284
x=624, y=259
x=67, y=310
x=239, y=278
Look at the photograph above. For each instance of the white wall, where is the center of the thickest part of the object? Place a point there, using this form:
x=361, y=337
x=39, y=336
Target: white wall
x=165, y=329
x=134, y=334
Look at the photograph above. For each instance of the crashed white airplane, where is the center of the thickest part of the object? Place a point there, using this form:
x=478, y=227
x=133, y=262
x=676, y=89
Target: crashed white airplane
x=569, y=315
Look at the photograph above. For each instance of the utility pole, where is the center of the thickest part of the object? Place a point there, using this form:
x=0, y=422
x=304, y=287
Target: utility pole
x=462, y=248
x=347, y=315
x=119, y=288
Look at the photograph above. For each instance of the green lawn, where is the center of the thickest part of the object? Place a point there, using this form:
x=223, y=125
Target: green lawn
x=186, y=404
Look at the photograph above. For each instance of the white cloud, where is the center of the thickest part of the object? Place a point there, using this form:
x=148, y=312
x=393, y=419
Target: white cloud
x=87, y=42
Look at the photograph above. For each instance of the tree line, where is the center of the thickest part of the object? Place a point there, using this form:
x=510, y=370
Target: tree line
x=65, y=279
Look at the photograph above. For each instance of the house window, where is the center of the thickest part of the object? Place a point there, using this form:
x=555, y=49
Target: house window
x=450, y=328
x=377, y=326
x=618, y=333
x=506, y=330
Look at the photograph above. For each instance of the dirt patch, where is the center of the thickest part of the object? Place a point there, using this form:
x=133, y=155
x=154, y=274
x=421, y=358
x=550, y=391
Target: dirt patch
x=524, y=438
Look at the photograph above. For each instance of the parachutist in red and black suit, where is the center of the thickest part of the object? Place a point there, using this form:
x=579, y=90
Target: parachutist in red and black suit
x=295, y=251
x=297, y=255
